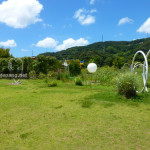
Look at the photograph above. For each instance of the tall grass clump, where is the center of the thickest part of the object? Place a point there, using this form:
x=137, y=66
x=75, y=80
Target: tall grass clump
x=107, y=75
x=127, y=85
x=64, y=76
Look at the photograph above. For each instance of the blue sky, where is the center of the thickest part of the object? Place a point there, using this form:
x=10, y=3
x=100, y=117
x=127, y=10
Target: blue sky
x=55, y=25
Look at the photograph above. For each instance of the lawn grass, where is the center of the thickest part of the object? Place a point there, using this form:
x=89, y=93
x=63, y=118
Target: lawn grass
x=34, y=116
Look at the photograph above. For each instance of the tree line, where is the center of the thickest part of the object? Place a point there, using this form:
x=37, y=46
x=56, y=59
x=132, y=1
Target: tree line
x=110, y=53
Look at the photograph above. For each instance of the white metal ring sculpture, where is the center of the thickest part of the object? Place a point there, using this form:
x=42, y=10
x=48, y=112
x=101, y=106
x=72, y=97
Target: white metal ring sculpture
x=137, y=64
x=147, y=55
x=145, y=69
x=10, y=68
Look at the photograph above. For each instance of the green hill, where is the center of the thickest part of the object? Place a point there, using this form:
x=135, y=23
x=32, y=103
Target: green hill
x=105, y=52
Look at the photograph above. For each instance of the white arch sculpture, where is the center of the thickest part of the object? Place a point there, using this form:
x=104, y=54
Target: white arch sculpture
x=147, y=55
x=137, y=64
x=10, y=68
x=145, y=69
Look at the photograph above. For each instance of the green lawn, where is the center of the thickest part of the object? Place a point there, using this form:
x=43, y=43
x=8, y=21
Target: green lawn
x=34, y=116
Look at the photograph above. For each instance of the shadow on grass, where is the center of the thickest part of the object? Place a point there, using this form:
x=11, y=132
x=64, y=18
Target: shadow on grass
x=110, y=99
x=58, y=107
x=87, y=103
x=25, y=135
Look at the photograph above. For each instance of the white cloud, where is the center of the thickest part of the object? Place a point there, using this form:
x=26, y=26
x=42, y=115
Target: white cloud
x=84, y=16
x=45, y=25
x=145, y=28
x=47, y=43
x=67, y=26
x=93, y=10
x=20, y=13
x=25, y=50
x=9, y=43
x=125, y=20
x=72, y=43
x=92, y=2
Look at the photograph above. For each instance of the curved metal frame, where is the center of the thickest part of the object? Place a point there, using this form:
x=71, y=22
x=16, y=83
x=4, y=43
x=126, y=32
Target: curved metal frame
x=147, y=55
x=10, y=68
x=145, y=70
x=137, y=64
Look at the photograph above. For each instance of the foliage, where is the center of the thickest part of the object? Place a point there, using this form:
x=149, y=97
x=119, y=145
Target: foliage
x=123, y=50
x=64, y=76
x=103, y=75
x=74, y=68
x=107, y=74
x=28, y=64
x=41, y=75
x=51, y=74
x=111, y=49
x=52, y=83
x=109, y=53
x=32, y=74
x=78, y=81
x=126, y=84
x=118, y=62
x=40, y=65
x=59, y=76
x=4, y=65
x=4, y=53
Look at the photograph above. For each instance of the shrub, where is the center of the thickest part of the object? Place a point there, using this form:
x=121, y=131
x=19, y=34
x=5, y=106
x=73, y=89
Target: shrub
x=32, y=74
x=51, y=74
x=52, y=84
x=74, y=68
x=63, y=76
x=126, y=84
x=78, y=81
x=46, y=80
x=41, y=75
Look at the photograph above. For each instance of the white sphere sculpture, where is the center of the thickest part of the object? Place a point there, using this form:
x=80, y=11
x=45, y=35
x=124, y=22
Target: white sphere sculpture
x=92, y=67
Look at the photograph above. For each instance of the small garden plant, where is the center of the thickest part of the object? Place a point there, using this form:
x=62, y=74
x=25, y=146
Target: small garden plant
x=52, y=83
x=78, y=81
